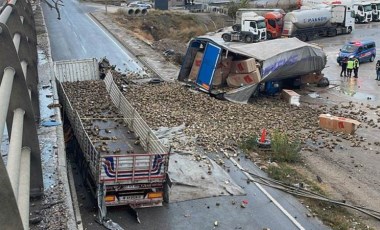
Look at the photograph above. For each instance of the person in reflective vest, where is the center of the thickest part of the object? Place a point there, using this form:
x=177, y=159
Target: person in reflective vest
x=350, y=66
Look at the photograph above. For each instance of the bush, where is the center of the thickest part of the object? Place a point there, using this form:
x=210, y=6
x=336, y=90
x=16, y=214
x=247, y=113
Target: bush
x=249, y=144
x=283, y=150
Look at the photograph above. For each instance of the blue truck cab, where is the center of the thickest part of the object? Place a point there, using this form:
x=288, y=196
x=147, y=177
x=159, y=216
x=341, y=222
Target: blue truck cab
x=363, y=50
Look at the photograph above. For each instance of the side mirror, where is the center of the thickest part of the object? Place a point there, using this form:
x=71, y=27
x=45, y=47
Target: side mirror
x=340, y=49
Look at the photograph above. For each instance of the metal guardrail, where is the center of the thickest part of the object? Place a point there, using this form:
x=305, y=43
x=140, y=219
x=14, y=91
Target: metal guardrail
x=19, y=109
x=135, y=122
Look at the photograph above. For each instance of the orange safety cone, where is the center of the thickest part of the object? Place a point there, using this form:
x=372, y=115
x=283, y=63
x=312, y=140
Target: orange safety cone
x=263, y=136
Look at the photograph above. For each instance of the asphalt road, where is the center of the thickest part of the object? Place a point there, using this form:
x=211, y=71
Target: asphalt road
x=77, y=36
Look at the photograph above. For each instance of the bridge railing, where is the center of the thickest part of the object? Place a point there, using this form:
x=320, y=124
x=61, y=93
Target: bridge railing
x=19, y=110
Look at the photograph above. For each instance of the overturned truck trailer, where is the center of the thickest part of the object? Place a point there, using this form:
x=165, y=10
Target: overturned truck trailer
x=233, y=71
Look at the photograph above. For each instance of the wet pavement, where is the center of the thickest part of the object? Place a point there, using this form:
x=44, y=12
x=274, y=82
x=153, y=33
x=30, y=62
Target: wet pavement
x=363, y=89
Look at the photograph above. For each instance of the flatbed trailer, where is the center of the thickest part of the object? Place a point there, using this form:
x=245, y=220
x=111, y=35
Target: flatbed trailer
x=125, y=162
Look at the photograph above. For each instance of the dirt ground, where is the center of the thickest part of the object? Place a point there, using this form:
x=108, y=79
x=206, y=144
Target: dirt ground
x=346, y=164
x=169, y=31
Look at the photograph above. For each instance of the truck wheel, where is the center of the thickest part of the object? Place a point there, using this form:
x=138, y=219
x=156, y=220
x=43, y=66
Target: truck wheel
x=333, y=33
x=302, y=37
x=226, y=37
x=349, y=30
x=269, y=36
x=236, y=27
x=372, y=58
x=248, y=39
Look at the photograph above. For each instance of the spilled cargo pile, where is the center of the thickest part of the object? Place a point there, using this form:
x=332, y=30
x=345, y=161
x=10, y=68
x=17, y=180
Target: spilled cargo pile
x=219, y=124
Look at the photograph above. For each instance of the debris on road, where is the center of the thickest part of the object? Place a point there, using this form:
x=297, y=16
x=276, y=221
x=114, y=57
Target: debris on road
x=338, y=124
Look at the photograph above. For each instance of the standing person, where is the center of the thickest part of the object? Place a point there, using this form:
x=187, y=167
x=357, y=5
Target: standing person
x=356, y=67
x=350, y=66
x=378, y=70
x=344, y=67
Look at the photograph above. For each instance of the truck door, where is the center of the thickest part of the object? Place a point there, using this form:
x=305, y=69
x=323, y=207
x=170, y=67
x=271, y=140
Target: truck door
x=207, y=69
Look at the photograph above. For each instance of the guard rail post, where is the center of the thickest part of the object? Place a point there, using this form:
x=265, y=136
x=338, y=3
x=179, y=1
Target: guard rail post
x=19, y=110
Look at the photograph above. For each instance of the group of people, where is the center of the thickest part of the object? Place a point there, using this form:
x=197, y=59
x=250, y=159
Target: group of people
x=349, y=65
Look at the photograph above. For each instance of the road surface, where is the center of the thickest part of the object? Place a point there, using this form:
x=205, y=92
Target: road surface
x=77, y=36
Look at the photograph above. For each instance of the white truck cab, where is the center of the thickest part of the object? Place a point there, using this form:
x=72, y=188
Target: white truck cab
x=363, y=12
x=252, y=28
x=375, y=10
x=255, y=24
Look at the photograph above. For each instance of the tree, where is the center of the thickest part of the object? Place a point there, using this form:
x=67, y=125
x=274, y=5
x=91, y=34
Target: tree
x=234, y=6
x=55, y=4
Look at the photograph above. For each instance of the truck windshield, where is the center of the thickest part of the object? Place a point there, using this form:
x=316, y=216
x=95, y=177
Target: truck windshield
x=261, y=24
x=367, y=8
x=279, y=21
x=377, y=6
x=349, y=48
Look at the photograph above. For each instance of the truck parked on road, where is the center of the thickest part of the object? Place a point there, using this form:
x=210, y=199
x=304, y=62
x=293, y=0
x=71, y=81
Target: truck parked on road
x=273, y=20
x=363, y=12
x=307, y=24
x=116, y=171
x=252, y=29
x=375, y=11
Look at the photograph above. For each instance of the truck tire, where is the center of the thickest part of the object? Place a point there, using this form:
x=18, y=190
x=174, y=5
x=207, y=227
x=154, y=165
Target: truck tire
x=226, y=37
x=332, y=33
x=349, y=30
x=236, y=27
x=269, y=36
x=248, y=39
x=302, y=37
x=372, y=58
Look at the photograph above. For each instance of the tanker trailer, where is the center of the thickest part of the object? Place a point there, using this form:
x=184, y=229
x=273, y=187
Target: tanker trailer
x=307, y=24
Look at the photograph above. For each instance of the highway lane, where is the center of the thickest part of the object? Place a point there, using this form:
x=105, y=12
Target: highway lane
x=77, y=36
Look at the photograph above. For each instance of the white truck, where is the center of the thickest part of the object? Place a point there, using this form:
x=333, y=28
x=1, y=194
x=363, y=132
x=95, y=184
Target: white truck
x=307, y=24
x=363, y=12
x=253, y=29
x=375, y=11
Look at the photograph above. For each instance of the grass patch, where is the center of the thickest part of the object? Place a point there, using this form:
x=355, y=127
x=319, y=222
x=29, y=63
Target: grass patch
x=284, y=150
x=287, y=154
x=334, y=216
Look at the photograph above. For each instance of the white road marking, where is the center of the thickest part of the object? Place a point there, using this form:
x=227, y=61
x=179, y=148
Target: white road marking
x=295, y=222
